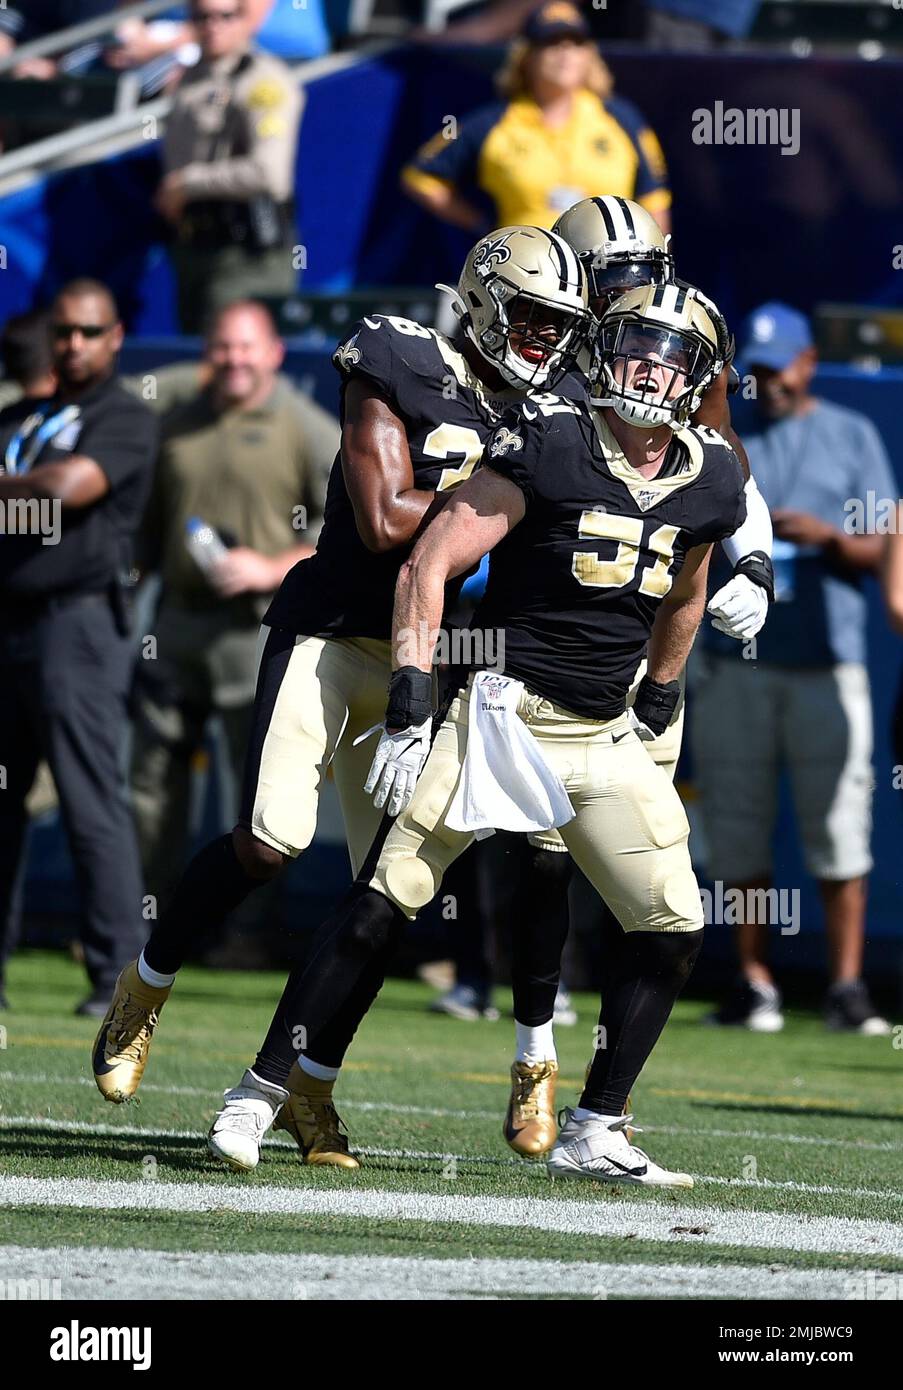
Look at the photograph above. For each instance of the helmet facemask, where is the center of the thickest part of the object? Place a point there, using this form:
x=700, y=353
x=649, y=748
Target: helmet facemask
x=649, y=373
x=607, y=282
x=531, y=341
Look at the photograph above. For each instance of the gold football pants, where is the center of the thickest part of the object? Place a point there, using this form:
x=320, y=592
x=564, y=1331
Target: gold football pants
x=628, y=836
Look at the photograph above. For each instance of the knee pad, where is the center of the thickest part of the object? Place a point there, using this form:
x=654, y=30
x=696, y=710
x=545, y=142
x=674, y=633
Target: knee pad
x=410, y=882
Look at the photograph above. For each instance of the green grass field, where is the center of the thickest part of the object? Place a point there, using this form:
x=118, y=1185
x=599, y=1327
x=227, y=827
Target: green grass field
x=793, y=1139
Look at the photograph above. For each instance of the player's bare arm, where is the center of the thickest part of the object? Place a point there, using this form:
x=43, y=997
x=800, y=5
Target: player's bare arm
x=478, y=515
x=379, y=476
x=715, y=412
x=677, y=620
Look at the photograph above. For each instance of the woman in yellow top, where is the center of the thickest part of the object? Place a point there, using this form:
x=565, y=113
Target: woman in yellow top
x=558, y=136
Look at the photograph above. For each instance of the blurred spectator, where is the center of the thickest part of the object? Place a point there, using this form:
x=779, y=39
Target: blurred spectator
x=692, y=26
x=892, y=583
x=27, y=20
x=229, y=154
x=27, y=356
x=249, y=457
x=557, y=137
x=800, y=699
x=291, y=31
x=501, y=20
x=77, y=472
x=892, y=573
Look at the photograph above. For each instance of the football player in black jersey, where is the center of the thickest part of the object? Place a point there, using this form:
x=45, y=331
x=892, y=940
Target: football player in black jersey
x=416, y=410
x=600, y=521
x=621, y=248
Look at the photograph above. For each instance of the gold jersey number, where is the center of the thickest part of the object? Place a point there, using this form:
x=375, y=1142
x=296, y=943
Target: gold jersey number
x=447, y=440
x=594, y=573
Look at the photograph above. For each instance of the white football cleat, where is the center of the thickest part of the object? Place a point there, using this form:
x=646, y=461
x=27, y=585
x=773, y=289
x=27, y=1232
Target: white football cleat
x=599, y=1148
x=239, y=1128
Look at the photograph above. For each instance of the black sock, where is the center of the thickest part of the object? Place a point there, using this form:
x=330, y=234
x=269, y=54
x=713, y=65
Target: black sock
x=325, y=1000
x=212, y=886
x=539, y=916
x=649, y=972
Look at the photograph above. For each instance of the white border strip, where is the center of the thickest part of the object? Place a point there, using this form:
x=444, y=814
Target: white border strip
x=91, y=1273
x=598, y=1216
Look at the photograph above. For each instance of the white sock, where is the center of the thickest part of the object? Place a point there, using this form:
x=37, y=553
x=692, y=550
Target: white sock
x=534, y=1045
x=264, y=1085
x=316, y=1070
x=153, y=977
x=581, y=1114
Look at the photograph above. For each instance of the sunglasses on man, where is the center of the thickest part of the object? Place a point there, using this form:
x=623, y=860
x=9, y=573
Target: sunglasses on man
x=63, y=331
x=215, y=16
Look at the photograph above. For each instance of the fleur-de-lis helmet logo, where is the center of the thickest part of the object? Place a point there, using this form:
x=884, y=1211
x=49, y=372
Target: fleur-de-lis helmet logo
x=490, y=254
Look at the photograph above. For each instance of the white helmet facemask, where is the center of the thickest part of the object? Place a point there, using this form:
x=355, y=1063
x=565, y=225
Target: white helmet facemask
x=546, y=336
x=648, y=373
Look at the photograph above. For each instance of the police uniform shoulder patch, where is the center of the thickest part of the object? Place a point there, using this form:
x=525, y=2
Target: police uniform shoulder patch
x=271, y=126
x=266, y=94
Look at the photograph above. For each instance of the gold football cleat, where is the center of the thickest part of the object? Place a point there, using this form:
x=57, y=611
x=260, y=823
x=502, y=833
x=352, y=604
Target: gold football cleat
x=122, y=1045
x=310, y=1117
x=530, y=1126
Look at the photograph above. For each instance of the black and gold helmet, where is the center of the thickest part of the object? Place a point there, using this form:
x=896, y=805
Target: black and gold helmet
x=656, y=352
x=521, y=300
x=620, y=246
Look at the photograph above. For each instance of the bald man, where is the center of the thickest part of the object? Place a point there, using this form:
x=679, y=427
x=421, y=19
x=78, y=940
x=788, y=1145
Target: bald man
x=248, y=456
x=76, y=474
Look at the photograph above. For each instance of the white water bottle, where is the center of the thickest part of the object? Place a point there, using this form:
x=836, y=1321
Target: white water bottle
x=205, y=545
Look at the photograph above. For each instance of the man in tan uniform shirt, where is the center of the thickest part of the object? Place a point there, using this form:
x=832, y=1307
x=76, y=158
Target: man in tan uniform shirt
x=249, y=458
x=229, y=156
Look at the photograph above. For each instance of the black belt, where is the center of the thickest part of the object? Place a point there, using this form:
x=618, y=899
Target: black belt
x=21, y=610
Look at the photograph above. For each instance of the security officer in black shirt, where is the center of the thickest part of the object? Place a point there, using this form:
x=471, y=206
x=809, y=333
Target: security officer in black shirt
x=75, y=473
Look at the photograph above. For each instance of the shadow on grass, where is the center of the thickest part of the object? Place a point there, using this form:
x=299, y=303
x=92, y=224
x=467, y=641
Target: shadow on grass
x=825, y=1112
x=187, y=1154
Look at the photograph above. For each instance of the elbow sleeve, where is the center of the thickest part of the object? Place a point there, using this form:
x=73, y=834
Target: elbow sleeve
x=756, y=532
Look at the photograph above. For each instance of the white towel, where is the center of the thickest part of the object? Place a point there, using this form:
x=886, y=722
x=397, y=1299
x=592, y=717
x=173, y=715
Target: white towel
x=505, y=783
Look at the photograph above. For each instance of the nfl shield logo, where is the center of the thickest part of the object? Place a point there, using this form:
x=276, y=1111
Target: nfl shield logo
x=493, y=689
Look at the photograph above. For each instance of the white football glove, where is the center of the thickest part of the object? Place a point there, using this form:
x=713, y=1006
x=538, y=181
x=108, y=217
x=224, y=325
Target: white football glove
x=739, y=608
x=397, y=764
x=641, y=730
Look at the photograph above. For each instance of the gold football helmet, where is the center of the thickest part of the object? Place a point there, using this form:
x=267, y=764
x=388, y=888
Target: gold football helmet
x=620, y=246
x=521, y=300
x=656, y=352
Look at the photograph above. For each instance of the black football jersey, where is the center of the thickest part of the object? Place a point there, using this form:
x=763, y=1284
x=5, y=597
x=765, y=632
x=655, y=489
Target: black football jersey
x=344, y=589
x=574, y=588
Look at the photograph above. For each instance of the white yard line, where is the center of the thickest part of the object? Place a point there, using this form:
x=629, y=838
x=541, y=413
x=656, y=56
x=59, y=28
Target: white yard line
x=597, y=1216
x=423, y=1155
x=392, y=1108
x=90, y=1273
